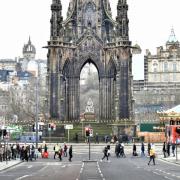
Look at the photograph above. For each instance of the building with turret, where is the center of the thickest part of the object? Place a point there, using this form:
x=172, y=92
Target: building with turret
x=162, y=70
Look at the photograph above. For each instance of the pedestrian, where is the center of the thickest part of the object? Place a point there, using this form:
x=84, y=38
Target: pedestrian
x=70, y=153
x=134, y=150
x=142, y=149
x=1, y=153
x=56, y=150
x=65, y=150
x=45, y=148
x=168, y=148
x=60, y=153
x=76, y=138
x=173, y=149
x=105, y=151
x=117, y=149
x=149, y=147
x=152, y=156
x=108, y=149
x=97, y=138
x=115, y=138
x=164, y=149
x=121, y=150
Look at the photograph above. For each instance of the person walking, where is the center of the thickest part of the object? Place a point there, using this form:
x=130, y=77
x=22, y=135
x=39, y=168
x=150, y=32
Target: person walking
x=142, y=149
x=60, y=153
x=152, y=156
x=108, y=149
x=149, y=147
x=134, y=150
x=173, y=149
x=56, y=150
x=97, y=138
x=70, y=153
x=105, y=151
x=65, y=150
x=164, y=149
x=168, y=148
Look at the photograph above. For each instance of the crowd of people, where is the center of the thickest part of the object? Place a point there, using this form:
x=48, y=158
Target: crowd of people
x=62, y=151
x=28, y=152
x=13, y=151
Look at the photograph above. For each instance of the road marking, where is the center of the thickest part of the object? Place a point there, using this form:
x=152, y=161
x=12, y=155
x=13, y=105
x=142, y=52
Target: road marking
x=29, y=166
x=157, y=173
x=168, y=178
x=22, y=177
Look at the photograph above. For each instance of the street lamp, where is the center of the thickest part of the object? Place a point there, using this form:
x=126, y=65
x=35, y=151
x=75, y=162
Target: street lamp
x=37, y=104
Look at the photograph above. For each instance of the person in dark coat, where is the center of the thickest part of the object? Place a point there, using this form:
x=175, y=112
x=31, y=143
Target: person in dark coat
x=164, y=149
x=173, y=149
x=45, y=148
x=97, y=138
x=134, y=150
x=70, y=153
x=149, y=147
x=142, y=149
x=168, y=149
x=105, y=151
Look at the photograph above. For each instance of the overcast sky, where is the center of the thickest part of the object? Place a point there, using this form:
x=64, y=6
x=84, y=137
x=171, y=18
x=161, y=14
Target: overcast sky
x=150, y=25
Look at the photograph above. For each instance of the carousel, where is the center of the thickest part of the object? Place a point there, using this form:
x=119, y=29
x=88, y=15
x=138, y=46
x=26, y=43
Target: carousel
x=171, y=116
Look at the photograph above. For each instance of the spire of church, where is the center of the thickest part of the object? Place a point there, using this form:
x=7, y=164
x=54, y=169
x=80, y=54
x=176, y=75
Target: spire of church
x=56, y=18
x=122, y=20
x=29, y=42
x=172, y=37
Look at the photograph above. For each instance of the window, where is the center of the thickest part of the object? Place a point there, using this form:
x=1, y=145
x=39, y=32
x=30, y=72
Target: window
x=174, y=67
x=155, y=66
x=174, y=77
x=165, y=67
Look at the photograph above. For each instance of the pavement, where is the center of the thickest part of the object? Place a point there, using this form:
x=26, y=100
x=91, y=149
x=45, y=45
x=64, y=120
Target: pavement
x=8, y=164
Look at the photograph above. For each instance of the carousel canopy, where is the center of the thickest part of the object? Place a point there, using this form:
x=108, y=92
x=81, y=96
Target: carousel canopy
x=170, y=114
x=175, y=109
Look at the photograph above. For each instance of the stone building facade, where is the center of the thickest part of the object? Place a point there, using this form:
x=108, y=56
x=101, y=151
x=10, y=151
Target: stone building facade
x=160, y=89
x=90, y=35
x=162, y=70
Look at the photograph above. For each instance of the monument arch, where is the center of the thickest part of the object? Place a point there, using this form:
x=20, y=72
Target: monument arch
x=89, y=34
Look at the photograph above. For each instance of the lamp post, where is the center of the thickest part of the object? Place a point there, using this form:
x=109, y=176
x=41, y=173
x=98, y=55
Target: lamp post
x=37, y=104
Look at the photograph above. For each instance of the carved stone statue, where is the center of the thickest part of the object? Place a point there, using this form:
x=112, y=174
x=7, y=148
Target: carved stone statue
x=90, y=106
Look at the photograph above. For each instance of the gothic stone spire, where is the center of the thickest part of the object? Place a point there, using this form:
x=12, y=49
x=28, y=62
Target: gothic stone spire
x=56, y=18
x=122, y=20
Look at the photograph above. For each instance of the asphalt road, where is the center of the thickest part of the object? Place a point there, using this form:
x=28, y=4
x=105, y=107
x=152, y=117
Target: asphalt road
x=128, y=168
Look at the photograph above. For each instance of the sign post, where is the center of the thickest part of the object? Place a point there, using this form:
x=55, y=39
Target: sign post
x=68, y=127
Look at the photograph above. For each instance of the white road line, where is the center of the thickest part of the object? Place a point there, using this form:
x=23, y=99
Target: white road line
x=168, y=178
x=157, y=173
x=29, y=166
x=22, y=177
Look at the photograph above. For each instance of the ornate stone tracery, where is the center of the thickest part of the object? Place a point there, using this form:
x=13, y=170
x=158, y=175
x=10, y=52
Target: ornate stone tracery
x=89, y=34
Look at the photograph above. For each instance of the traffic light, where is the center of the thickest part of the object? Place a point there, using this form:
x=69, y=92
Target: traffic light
x=87, y=131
